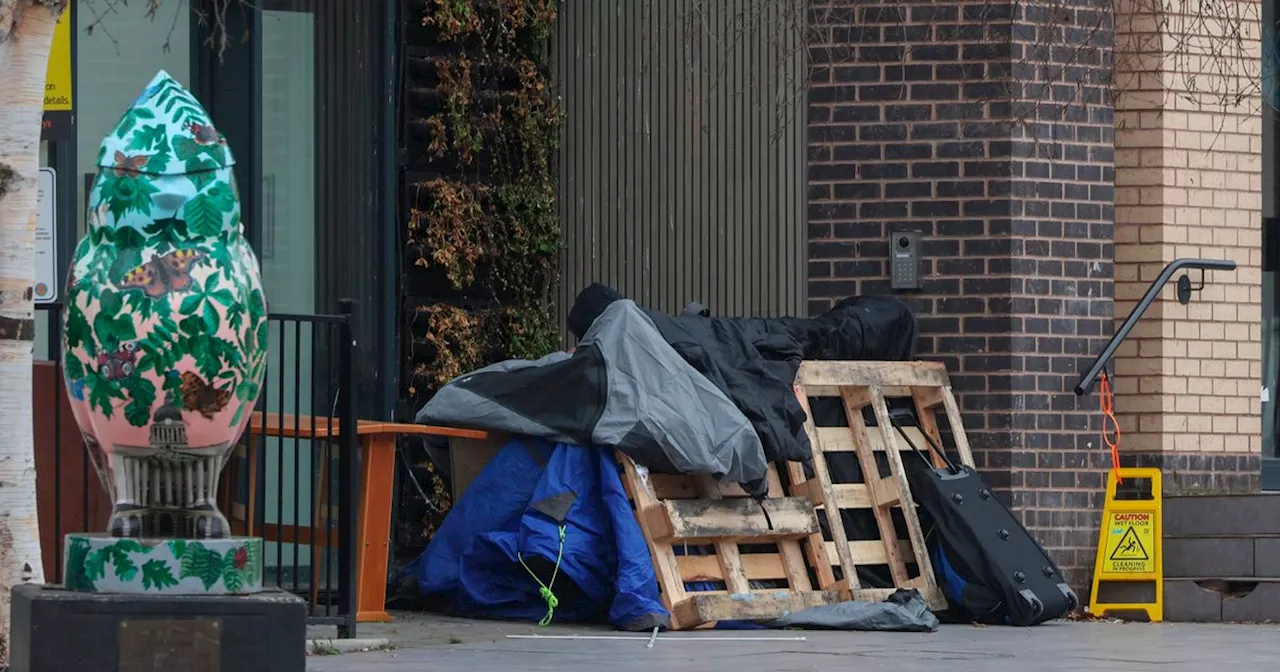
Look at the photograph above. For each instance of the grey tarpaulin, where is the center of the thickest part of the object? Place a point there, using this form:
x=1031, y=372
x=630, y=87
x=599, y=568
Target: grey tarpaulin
x=623, y=387
x=903, y=611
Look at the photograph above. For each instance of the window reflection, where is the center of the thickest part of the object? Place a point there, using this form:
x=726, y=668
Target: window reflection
x=115, y=61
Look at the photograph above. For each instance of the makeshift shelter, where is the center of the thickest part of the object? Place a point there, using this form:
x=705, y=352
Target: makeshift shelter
x=688, y=394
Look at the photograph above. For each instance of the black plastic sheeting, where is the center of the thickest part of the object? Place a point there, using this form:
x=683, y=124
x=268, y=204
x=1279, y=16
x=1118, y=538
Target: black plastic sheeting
x=754, y=360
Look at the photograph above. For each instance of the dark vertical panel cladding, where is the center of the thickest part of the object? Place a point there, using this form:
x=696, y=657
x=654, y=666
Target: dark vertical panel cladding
x=351, y=219
x=682, y=165
x=230, y=85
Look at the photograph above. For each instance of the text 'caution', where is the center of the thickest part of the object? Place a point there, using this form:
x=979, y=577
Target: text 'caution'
x=1130, y=543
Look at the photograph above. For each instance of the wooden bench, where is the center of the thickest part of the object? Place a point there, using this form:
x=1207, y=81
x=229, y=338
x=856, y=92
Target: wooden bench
x=377, y=480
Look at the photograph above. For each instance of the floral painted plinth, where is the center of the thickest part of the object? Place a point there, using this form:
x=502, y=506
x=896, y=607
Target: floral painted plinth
x=105, y=564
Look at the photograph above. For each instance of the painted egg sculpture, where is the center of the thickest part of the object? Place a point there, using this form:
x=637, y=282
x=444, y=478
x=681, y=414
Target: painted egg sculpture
x=165, y=324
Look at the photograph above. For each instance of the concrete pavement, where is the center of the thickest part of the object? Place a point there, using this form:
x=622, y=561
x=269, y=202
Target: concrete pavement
x=436, y=643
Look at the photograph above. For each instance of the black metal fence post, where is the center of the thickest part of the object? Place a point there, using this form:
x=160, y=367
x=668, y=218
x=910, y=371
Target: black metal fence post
x=349, y=450
x=53, y=313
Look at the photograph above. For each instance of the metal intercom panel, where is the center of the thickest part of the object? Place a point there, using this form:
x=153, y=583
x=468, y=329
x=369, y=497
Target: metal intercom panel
x=904, y=260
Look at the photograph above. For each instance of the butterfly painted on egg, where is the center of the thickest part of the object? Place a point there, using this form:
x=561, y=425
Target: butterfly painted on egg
x=130, y=164
x=204, y=135
x=200, y=397
x=164, y=273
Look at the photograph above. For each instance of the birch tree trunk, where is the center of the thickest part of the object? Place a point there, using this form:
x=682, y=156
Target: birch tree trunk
x=26, y=34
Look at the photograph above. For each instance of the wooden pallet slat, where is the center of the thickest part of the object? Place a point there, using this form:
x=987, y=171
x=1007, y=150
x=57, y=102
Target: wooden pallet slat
x=903, y=490
x=882, y=494
x=957, y=426
x=924, y=400
x=825, y=379
x=750, y=606
x=840, y=439
x=732, y=570
x=665, y=564
x=868, y=552
x=788, y=518
x=849, y=582
x=815, y=545
x=761, y=566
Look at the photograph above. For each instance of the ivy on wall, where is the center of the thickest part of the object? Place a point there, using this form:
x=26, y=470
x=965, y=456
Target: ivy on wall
x=483, y=235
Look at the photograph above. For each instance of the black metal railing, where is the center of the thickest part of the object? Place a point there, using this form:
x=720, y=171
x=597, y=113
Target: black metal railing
x=290, y=480
x=1185, y=289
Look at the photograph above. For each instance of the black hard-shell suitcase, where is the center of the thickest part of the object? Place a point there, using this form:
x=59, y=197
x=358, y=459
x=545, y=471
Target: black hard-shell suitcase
x=991, y=569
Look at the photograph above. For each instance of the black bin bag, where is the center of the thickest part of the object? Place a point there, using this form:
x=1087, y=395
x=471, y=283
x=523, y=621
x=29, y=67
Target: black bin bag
x=990, y=568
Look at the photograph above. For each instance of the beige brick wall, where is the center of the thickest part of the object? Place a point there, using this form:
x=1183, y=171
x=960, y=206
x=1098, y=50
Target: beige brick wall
x=1188, y=184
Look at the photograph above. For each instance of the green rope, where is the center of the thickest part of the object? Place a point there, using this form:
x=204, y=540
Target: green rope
x=544, y=589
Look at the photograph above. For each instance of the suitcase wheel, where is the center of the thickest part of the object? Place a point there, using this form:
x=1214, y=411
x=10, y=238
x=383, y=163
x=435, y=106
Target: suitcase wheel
x=1073, y=602
x=1037, y=607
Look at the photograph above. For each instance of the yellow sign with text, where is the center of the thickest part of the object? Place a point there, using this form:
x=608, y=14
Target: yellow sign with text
x=57, y=81
x=1129, y=544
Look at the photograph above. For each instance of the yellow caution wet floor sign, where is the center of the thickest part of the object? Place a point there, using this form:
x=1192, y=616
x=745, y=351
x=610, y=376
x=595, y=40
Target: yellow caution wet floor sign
x=1130, y=542
x=1129, y=547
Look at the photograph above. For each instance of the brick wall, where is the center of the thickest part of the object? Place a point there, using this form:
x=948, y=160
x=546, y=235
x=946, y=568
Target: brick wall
x=1188, y=184
x=919, y=120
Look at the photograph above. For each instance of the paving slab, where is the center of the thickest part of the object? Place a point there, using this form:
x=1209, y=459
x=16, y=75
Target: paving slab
x=436, y=643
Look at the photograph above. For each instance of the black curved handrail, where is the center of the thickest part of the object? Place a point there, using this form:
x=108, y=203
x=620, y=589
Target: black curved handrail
x=1086, y=381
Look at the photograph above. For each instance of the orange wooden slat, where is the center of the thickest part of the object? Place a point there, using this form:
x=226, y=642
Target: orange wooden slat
x=318, y=427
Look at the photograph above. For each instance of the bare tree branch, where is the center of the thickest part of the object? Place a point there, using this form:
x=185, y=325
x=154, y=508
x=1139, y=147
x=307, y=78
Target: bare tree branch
x=218, y=38
x=1201, y=52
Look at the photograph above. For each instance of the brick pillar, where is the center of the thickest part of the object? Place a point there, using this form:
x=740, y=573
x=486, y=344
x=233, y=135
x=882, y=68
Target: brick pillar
x=917, y=121
x=1188, y=184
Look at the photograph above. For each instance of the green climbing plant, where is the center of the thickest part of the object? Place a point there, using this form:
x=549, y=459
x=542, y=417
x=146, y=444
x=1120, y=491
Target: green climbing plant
x=487, y=223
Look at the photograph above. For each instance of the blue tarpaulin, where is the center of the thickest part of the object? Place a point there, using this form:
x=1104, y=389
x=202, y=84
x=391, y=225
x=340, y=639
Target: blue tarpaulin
x=501, y=541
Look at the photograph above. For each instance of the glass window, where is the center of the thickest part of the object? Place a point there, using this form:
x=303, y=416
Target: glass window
x=119, y=50
x=288, y=260
x=288, y=201
x=1270, y=251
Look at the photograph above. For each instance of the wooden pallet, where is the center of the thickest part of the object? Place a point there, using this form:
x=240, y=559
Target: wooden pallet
x=714, y=552
x=858, y=385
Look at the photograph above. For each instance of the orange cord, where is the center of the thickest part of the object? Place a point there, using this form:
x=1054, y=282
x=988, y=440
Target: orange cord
x=1109, y=417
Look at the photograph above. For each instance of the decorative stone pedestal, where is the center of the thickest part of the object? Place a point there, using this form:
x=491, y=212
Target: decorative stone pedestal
x=106, y=564
x=59, y=630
